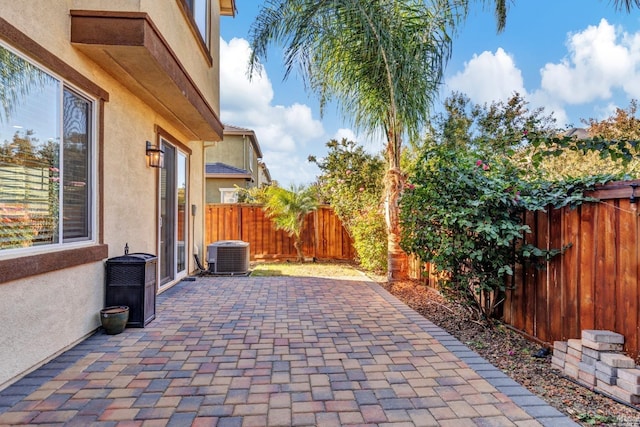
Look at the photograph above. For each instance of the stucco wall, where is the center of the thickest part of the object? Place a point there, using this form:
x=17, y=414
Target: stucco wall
x=167, y=16
x=232, y=151
x=214, y=186
x=44, y=314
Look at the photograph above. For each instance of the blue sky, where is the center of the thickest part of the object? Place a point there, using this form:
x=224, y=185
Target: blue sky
x=579, y=59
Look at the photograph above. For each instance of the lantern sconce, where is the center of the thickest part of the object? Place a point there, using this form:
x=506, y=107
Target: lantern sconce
x=155, y=155
x=633, y=198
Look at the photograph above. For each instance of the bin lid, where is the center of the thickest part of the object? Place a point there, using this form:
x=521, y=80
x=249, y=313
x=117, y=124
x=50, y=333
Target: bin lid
x=135, y=258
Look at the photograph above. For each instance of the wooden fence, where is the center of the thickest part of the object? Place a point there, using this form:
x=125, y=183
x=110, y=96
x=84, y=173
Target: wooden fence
x=324, y=236
x=594, y=285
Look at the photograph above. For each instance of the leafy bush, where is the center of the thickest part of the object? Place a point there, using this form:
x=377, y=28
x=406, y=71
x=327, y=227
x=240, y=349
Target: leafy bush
x=369, y=236
x=464, y=216
x=351, y=182
x=463, y=211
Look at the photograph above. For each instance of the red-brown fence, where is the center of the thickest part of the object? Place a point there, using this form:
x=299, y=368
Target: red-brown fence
x=594, y=285
x=324, y=236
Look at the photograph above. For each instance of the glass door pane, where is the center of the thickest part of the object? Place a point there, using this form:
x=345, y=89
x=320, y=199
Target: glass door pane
x=166, y=257
x=182, y=226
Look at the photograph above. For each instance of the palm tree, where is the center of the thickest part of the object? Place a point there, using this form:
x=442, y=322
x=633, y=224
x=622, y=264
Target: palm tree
x=500, y=9
x=381, y=60
x=288, y=209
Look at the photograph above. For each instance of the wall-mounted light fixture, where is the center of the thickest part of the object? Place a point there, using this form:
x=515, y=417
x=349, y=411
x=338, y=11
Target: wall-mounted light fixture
x=155, y=155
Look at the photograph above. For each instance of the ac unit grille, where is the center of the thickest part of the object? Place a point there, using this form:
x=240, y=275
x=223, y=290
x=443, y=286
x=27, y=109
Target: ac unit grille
x=228, y=257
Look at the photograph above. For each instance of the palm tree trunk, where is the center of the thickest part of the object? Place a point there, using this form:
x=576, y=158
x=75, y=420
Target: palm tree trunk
x=397, y=259
x=297, y=243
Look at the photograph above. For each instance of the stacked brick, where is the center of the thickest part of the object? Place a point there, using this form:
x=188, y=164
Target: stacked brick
x=597, y=362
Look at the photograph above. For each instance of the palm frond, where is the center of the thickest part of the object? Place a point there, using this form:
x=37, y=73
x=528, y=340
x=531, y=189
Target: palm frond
x=626, y=4
x=382, y=60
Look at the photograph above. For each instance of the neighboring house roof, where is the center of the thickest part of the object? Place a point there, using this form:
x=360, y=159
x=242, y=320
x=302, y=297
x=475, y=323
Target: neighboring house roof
x=579, y=133
x=235, y=130
x=221, y=170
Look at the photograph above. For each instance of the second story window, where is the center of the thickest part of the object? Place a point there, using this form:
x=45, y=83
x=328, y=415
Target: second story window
x=200, y=11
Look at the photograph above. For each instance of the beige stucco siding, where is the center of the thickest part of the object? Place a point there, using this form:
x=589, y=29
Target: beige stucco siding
x=214, y=186
x=167, y=16
x=130, y=187
x=44, y=314
x=231, y=151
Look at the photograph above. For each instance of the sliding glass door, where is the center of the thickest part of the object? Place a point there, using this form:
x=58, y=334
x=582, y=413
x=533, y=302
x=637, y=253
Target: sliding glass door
x=173, y=215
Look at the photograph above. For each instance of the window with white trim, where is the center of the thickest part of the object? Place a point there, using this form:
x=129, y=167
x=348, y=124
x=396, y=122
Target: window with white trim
x=228, y=195
x=46, y=157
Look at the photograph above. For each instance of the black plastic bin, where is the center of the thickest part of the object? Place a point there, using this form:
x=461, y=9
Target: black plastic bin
x=131, y=281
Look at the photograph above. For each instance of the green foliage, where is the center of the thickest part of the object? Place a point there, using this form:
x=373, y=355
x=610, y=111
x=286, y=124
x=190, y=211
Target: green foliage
x=464, y=213
x=351, y=182
x=380, y=61
x=464, y=216
x=608, y=146
x=253, y=195
x=369, y=235
x=288, y=209
x=374, y=57
x=596, y=419
x=623, y=149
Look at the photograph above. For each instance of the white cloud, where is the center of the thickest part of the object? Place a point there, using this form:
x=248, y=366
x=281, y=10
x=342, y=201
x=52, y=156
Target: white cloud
x=488, y=77
x=597, y=63
x=602, y=63
x=291, y=168
x=237, y=92
x=373, y=143
x=284, y=131
x=347, y=134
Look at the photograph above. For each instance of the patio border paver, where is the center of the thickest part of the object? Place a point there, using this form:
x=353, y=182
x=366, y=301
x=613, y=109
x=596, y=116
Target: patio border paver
x=532, y=404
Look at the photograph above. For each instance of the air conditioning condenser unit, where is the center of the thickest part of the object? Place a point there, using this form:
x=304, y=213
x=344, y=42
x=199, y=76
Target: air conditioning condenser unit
x=228, y=257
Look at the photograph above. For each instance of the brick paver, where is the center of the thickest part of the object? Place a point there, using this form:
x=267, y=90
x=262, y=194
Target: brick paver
x=276, y=351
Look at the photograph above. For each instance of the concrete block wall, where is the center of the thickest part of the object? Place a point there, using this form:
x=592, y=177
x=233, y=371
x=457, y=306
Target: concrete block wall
x=597, y=362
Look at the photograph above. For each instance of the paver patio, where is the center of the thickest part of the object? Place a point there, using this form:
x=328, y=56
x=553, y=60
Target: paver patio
x=275, y=351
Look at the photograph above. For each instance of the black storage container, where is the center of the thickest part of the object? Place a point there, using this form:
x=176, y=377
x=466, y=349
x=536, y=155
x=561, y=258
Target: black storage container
x=131, y=281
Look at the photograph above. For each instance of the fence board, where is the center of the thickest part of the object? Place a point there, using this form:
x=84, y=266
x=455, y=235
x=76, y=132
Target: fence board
x=554, y=312
x=324, y=236
x=627, y=269
x=587, y=267
x=594, y=285
x=530, y=281
x=564, y=271
x=606, y=273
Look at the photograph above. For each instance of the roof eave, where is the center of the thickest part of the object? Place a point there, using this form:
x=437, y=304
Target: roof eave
x=228, y=8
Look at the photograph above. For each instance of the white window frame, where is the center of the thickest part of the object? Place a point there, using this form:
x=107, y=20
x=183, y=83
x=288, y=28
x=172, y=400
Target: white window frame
x=232, y=191
x=250, y=156
x=93, y=191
